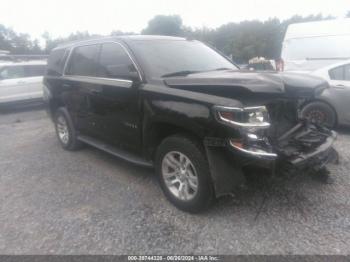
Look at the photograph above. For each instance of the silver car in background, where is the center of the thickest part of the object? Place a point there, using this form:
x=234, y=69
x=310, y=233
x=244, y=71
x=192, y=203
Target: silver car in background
x=333, y=106
x=21, y=82
x=322, y=49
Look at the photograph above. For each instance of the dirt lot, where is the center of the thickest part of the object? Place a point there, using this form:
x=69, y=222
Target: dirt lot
x=53, y=201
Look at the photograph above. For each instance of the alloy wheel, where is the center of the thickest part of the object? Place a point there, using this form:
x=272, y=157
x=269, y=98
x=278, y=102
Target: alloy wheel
x=180, y=175
x=62, y=130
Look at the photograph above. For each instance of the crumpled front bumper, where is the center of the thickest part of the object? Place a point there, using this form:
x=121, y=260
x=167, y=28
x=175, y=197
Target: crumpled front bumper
x=228, y=161
x=319, y=156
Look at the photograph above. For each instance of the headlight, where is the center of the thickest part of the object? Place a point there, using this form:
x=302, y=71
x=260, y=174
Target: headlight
x=243, y=117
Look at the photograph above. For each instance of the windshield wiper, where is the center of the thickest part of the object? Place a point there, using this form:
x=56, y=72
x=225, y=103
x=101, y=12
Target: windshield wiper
x=181, y=73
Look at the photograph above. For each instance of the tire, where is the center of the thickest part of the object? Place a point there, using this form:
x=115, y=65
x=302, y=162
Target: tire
x=65, y=131
x=198, y=194
x=320, y=113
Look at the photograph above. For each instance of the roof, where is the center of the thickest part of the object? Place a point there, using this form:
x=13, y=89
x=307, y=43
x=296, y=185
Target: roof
x=122, y=37
x=319, y=28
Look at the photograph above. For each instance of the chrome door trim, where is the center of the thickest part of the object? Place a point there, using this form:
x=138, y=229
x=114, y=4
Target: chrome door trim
x=99, y=80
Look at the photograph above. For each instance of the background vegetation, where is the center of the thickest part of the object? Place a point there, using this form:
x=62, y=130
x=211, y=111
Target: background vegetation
x=241, y=41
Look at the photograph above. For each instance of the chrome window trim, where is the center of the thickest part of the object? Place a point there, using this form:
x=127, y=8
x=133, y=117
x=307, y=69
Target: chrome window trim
x=99, y=80
x=100, y=44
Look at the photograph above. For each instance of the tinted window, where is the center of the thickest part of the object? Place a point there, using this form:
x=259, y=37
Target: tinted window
x=114, y=62
x=11, y=72
x=337, y=73
x=83, y=61
x=56, y=62
x=169, y=56
x=34, y=70
x=347, y=73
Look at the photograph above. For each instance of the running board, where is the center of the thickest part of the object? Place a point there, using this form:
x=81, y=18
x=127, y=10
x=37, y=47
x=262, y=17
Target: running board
x=115, y=151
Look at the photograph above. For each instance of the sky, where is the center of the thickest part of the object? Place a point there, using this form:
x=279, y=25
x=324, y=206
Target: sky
x=61, y=17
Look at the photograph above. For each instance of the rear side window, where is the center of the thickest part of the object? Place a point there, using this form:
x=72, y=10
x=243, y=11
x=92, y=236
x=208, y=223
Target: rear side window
x=337, y=73
x=56, y=62
x=114, y=62
x=83, y=61
x=34, y=70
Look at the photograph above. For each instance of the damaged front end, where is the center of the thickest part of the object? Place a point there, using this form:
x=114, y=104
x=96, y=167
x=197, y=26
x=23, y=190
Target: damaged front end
x=275, y=132
x=297, y=142
x=274, y=137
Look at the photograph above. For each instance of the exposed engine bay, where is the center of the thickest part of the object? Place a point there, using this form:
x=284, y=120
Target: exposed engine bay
x=295, y=139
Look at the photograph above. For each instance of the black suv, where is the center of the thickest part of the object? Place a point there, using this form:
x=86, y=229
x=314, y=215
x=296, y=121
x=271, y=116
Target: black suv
x=184, y=108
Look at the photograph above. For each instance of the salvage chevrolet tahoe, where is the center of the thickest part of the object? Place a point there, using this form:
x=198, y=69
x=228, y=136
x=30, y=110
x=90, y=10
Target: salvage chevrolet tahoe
x=183, y=108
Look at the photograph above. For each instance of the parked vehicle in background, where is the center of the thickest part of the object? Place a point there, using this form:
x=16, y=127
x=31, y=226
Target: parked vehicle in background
x=21, y=82
x=261, y=64
x=181, y=107
x=332, y=106
x=313, y=45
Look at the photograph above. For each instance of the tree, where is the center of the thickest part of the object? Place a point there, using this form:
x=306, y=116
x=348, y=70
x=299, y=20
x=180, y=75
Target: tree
x=118, y=32
x=242, y=40
x=164, y=25
x=51, y=43
x=18, y=43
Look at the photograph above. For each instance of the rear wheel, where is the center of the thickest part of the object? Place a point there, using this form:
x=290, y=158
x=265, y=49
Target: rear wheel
x=65, y=130
x=184, y=174
x=320, y=113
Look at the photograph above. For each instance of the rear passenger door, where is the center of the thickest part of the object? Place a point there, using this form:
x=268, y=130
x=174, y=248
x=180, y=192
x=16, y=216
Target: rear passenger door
x=34, y=81
x=13, y=84
x=79, y=87
x=102, y=94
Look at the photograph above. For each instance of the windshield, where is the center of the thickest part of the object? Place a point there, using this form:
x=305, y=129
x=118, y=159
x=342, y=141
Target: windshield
x=165, y=57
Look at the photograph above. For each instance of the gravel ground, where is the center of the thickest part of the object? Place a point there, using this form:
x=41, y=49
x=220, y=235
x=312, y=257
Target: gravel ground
x=88, y=202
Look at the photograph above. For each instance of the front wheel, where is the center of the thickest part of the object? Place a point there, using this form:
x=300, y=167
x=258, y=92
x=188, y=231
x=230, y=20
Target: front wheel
x=184, y=173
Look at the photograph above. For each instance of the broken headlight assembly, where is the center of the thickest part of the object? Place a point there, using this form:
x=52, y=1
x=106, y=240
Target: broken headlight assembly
x=247, y=117
x=250, y=120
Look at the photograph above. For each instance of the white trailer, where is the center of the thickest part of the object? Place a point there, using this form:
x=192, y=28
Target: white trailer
x=312, y=45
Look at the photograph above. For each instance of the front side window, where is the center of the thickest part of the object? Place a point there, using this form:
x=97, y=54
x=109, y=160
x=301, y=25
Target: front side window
x=11, y=72
x=83, y=61
x=337, y=73
x=114, y=62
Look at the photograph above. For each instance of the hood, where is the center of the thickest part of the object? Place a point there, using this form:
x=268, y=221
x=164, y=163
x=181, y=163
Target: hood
x=235, y=83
